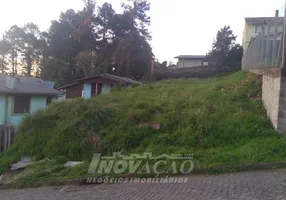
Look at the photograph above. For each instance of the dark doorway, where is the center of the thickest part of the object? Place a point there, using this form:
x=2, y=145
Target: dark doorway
x=96, y=88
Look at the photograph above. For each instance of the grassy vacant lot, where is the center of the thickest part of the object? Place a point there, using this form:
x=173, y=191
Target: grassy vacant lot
x=220, y=121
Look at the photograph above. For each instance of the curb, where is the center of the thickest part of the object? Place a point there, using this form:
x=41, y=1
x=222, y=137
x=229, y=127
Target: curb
x=44, y=183
x=201, y=171
x=240, y=168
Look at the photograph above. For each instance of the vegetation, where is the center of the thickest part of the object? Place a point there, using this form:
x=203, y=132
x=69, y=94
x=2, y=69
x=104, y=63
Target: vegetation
x=79, y=44
x=225, y=53
x=220, y=121
x=97, y=40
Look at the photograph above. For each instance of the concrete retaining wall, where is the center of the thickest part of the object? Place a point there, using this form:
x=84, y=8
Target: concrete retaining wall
x=274, y=97
x=270, y=94
x=281, y=127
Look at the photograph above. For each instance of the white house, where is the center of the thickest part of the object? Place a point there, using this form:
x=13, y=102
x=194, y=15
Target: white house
x=191, y=61
x=258, y=25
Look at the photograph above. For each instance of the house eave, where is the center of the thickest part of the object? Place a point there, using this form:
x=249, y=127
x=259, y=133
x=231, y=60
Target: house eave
x=30, y=93
x=191, y=57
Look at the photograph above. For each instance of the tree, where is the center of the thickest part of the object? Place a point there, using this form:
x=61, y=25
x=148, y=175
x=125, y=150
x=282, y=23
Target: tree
x=133, y=54
x=13, y=38
x=31, y=46
x=87, y=36
x=72, y=42
x=164, y=64
x=84, y=43
x=85, y=62
x=234, y=56
x=94, y=41
x=56, y=70
x=62, y=49
x=25, y=45
x=171, y=63
x=159, y=65
x=4, y=49
x=104, y=22
x=85, y=31
x=225, y=54
x=132, y=57
x=136, y=10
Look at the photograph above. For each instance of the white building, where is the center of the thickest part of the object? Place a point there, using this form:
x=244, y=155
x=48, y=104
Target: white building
x=191, y=61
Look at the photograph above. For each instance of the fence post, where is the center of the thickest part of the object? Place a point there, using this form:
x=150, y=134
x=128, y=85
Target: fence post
x=9, y=135
x=267, y=56
x=5, y=137
x=255, y=46
x=262, y=46
x=274, y=49
x=253, y=53
x=258, y=50
x=280, y=52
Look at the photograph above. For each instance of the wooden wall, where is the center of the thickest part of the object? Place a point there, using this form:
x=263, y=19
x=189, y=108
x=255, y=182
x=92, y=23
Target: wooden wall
x=74, y=91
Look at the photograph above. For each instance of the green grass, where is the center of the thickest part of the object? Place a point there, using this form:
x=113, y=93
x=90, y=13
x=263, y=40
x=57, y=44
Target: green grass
x=221, y=121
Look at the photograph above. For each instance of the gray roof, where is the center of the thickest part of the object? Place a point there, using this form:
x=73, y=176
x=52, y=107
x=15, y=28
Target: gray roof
x=191, y=57
x=25, y=85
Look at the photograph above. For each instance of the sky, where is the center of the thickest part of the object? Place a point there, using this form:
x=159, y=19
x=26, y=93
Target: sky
x=178, y=27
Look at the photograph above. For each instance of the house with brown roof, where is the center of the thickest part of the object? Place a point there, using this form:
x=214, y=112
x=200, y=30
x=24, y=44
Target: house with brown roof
x=95, y=85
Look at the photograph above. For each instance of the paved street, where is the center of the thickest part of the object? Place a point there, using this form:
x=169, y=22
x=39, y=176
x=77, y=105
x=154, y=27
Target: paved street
x=246, y=185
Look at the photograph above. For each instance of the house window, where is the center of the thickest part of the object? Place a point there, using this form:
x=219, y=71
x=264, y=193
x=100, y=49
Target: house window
x=205, y=63
x=48, y=100
x=21, y=104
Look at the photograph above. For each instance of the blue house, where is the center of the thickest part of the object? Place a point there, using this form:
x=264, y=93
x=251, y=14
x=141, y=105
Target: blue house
x=95, y=85
x=20, y=96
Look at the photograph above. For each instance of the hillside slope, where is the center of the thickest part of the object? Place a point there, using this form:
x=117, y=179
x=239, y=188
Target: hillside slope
x=218, y=120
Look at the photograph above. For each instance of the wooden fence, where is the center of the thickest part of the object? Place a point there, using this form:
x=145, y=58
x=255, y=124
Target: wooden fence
x=7, y=133
x=265, y=49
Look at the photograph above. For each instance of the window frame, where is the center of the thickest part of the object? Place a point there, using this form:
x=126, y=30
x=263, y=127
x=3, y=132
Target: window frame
x=13, y=105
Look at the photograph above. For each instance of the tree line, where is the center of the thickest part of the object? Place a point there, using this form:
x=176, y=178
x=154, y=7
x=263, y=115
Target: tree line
x=94, y=40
